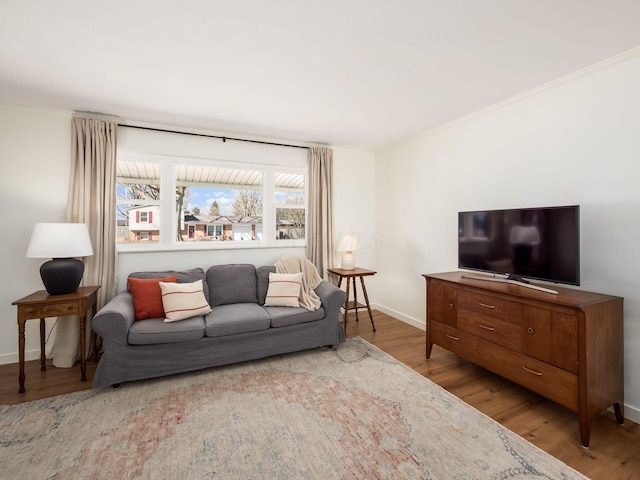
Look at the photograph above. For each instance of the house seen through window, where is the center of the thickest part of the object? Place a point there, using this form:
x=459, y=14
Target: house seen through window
x=177, y=203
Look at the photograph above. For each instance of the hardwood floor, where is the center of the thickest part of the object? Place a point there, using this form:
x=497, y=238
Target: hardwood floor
x=614, y=452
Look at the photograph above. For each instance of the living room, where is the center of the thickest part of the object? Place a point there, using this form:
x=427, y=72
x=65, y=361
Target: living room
x=568, y=139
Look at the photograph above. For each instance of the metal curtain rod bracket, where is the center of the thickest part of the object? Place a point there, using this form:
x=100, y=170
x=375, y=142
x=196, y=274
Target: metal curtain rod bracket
x=224, y=139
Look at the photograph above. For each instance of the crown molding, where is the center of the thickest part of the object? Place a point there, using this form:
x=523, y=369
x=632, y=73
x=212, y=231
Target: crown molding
x=616, y=60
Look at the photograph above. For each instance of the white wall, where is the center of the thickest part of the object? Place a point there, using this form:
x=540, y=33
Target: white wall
x=35, y=158
x=354, y=203
x=35, y=147
x=573, y=143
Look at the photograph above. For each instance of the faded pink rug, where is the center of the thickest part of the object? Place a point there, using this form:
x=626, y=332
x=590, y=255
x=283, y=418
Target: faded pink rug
x=350, y=413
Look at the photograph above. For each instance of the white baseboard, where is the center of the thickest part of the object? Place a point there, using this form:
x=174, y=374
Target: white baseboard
x=630, y=413
x=13, y=357
x=404, y=318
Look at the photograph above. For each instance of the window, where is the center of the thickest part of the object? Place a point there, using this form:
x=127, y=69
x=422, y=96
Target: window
x=290, y=206
x=137, y=202
x=183, y=204
x=214, y=232
x=229, y=200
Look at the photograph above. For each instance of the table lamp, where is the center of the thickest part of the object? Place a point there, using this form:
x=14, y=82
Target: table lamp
x=60, y=242
x=348, y=243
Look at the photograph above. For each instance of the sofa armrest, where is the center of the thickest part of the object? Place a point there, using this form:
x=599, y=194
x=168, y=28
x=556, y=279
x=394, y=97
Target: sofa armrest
x=332, y=297
x=113, y=321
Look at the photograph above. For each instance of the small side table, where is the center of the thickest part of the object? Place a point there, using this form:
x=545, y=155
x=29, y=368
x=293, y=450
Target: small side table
x=354, y=305
x=42, y=305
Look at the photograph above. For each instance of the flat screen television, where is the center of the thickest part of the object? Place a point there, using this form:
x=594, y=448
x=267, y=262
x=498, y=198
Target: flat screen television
x=522, y=243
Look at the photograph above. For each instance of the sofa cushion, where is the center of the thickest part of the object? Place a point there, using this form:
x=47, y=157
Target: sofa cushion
x=182, y=276
x=233, y=283
x=155, y=331
x=236, y=318
x=147, y=296
x=284, y=316
x=183, y=300
x=263, y=281
x=284, y=290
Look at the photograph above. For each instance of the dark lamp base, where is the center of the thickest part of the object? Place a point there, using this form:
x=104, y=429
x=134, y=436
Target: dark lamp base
x=62, y=275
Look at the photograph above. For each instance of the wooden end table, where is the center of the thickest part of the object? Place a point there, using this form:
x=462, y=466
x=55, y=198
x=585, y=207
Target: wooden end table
x=42, y=305
x=354, y=305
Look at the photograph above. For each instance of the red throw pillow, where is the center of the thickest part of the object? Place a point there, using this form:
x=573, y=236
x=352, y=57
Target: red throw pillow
x=147, y=296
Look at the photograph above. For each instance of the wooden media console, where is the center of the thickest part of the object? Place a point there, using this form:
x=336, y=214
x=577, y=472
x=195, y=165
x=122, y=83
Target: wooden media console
x=568, y=347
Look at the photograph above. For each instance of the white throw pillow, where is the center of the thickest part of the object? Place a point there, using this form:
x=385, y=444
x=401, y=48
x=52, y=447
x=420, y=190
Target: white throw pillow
x=284, y=290
x=183, y=300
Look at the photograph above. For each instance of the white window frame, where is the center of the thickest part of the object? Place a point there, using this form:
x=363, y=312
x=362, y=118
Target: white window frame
x=167, y=205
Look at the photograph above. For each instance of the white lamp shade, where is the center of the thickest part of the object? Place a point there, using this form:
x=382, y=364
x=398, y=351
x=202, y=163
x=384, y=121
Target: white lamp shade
x=59, y=240
x=348, y=243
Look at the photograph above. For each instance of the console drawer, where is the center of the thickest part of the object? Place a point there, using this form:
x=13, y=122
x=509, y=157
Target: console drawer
x=451, y=338
x=492, y=306
x=489, y=328
x=551, y=382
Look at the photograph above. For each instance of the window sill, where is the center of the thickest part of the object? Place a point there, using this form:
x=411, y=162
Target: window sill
x=204, y=246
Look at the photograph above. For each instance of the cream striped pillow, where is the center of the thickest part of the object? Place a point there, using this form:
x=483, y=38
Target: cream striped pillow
x=183, y=300
x=284, y=290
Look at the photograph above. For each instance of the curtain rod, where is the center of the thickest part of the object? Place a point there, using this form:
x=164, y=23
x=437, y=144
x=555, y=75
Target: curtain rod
x=223, y=138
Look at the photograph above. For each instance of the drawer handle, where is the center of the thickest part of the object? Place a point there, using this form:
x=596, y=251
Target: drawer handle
x=452, y=337
x=486, y=327
x=486, y=306
x=530, y=329
x=451, y=306
x=532, y=371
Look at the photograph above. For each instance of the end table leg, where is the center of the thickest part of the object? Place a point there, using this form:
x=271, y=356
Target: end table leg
x=346, y=306
x=43, y=365
x=93, y=351
x=355, y=296
x=21, y=356
x=618, y=408
x=366, y=300
x=83, y=348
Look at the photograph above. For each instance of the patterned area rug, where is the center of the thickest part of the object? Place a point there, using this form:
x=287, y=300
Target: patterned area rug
x=349, y=413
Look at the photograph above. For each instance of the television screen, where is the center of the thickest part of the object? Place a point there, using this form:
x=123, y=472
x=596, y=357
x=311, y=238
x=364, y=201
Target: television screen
x=537, y=243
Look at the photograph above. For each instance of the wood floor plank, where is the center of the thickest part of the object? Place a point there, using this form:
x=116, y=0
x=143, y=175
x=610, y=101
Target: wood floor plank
x=614, y=451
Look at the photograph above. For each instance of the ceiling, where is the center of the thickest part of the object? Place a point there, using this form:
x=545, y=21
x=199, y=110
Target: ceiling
x=355, y=73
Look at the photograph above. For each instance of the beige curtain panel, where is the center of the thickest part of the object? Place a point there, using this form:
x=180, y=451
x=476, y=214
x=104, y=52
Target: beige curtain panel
x=320, y=221
x=91, y=200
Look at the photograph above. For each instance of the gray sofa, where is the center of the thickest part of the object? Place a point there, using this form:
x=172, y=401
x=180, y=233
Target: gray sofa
x=239, y=327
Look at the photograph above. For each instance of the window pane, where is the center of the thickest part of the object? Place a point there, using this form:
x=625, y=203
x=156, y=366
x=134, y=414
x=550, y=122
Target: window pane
x=219, y=204
x=290, y=223
x=289, y=181
x=137, y=181
x=289, y=188
x=137, y=223
x=138, y=202
x=290, y=210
